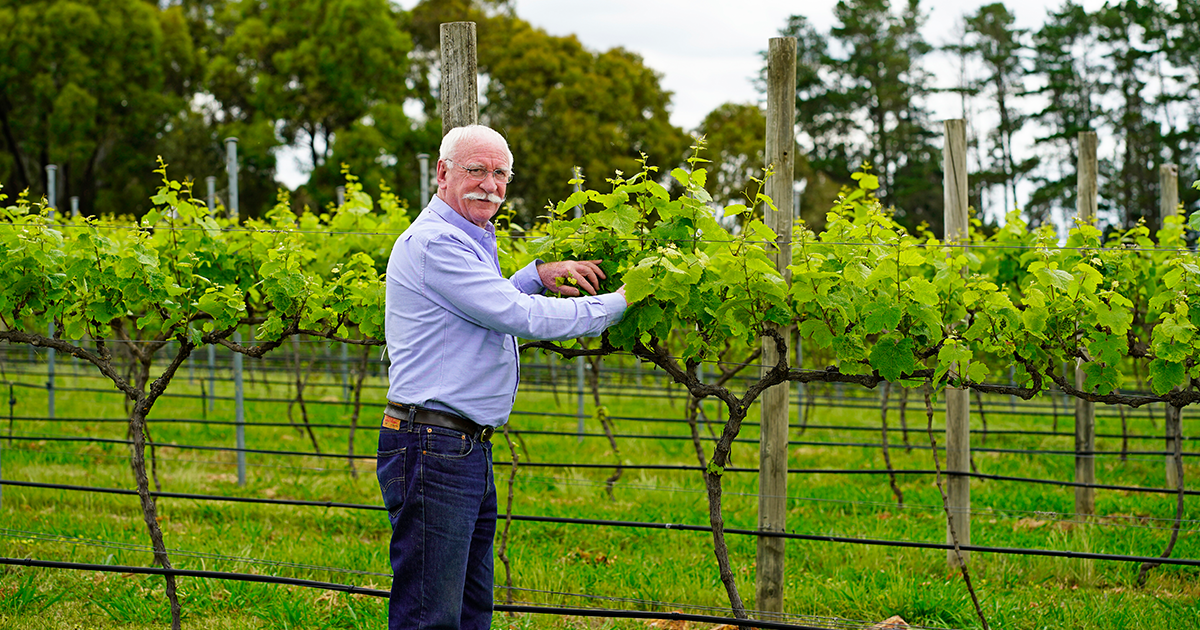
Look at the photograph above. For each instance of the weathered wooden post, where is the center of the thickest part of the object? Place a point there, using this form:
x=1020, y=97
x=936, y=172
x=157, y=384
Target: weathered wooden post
x=577, y=173
x=1168, y=180
x=1085, y=411
x=773, y=441
x=958, y=401
x=460, y=79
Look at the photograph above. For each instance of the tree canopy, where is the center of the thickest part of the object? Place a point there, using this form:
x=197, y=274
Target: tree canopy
x=101, y=88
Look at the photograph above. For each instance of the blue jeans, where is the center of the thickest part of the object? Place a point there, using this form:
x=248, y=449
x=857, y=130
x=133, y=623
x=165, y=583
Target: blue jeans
x=440, y=494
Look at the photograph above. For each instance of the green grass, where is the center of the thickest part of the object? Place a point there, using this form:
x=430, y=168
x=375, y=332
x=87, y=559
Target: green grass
x=640, y=568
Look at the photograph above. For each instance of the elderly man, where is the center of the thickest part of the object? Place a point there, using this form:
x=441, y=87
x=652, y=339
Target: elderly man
x=451, y=325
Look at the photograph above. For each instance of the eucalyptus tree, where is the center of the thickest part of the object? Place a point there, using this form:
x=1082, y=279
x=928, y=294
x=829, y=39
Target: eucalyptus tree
x=90, y=87
x=559, y=104
x=1066, y=65
x=863, y=100
x=993, y=39
x=1128, y=32
x=300, y=73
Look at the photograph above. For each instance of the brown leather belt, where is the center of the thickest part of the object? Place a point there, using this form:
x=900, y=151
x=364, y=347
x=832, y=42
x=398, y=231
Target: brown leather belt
x=444, y=419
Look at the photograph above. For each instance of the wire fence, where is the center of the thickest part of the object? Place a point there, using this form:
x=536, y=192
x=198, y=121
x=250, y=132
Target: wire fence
x=24, y=376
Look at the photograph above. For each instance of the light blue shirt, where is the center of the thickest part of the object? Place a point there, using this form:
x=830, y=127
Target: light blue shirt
x=452, y=319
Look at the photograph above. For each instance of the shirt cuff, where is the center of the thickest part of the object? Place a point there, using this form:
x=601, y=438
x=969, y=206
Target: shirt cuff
x=527, y=280
x=614, y=306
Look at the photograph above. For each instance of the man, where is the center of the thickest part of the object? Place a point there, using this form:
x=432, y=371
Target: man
x=451, y=325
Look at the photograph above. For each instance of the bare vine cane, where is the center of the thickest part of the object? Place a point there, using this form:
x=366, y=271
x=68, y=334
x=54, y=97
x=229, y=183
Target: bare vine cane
x=887, y=458
x=502, y=551
x=946, y=505
x=606, y=423
x=359, y=376
x=1177, y=458
x=715, y=469
x=904, y=417
x=302, y=376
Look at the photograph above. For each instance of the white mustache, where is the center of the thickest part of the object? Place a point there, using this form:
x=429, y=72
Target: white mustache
x=479, y=196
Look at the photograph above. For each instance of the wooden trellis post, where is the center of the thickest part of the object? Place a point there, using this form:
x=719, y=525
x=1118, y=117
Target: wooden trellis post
x=460, y=78
x=958, y=401
x=1168, y=180
x=1085, y=411
x=773, y=441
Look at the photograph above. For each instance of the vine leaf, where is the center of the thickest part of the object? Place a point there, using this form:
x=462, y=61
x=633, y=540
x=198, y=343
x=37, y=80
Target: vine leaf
x=1166, y=375
x=882, y=317
x=893, y=357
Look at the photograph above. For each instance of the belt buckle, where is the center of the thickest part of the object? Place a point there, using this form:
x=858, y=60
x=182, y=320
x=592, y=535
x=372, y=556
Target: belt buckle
x=486, y=434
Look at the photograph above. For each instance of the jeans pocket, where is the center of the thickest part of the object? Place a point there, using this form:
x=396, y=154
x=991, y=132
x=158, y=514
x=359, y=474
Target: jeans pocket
x=389, y=468
x=445, y=443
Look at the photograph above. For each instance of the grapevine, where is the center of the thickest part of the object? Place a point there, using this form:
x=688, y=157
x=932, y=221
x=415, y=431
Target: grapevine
x=870, y=301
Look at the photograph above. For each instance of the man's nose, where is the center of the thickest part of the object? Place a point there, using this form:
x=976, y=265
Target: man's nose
x=489, y=183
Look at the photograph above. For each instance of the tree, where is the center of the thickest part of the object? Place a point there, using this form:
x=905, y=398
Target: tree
x=735, y=135
x=867, y=104
x=1178, y=100
x=992, y=38
x=91, y=88
x=311, y=69
x=559, y=104
x=1065, y=62
x=1131, y=191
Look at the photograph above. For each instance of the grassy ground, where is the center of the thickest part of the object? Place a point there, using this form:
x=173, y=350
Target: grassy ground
x=554, y=564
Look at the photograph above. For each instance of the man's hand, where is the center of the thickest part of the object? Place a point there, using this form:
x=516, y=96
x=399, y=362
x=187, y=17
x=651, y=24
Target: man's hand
x=586, y=274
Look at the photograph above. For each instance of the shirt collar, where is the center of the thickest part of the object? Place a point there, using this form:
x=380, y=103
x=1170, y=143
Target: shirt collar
x=443, y=210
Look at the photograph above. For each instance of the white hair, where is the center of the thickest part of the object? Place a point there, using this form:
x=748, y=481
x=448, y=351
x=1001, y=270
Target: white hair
x=471, y=134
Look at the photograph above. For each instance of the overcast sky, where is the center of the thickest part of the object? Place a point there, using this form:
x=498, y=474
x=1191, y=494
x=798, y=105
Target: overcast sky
x=708, y=52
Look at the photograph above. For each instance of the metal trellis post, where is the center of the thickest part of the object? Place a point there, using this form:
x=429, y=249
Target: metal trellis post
x=423, y=163
x=52, y=198
x=231, y=169
x=579, y=368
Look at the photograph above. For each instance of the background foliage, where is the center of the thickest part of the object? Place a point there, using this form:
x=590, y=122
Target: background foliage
x=100, y=88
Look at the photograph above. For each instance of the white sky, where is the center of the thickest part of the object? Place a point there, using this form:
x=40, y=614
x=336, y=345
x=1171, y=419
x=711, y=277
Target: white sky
x=708, y=51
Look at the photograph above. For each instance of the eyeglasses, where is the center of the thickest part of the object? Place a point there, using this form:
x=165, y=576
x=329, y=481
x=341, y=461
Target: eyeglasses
x=478, y=173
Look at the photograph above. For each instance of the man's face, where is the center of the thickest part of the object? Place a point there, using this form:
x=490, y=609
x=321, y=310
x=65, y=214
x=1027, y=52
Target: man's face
x=477, y=201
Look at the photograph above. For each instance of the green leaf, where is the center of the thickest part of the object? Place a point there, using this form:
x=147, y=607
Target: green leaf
x=1108, y=348
x=1104, y=378
x=923, y=291
x=817, y=331
x=881, y=317
x=977, y=371
x=681, y=176
x=1056, y=278
x=893, y=356
x=1166, y=375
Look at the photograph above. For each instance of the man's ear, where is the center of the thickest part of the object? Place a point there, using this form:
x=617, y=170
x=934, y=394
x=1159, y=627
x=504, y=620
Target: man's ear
x=442, y=171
